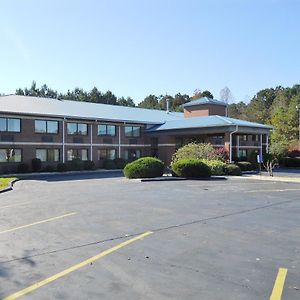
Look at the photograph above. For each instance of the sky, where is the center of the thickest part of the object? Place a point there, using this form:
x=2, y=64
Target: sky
x=140, y=47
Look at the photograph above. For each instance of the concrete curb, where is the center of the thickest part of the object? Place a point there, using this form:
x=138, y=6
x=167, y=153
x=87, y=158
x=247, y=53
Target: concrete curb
x=10, y=187
x=29, y=175
x=269, y=178
x=170, y=178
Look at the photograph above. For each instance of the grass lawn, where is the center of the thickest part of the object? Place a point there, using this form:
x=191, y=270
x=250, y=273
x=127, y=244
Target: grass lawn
x=4, y=182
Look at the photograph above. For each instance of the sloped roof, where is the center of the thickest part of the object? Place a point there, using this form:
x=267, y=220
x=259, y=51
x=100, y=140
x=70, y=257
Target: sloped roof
x=203, y=101
x=205, y=122
x=83, y=110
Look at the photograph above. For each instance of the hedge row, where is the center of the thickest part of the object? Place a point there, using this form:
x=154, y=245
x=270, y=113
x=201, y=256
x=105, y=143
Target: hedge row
x=290, y=162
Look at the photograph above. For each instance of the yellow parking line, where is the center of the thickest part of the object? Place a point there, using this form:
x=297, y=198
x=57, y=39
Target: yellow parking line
x=74, y=268
x=38, y=222
x=14, y=205
x=279, y=283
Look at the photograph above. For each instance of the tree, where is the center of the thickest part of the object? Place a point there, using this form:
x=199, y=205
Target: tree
x=150, y=102
x=126, y=102
x=198, y=94
x=226, y=95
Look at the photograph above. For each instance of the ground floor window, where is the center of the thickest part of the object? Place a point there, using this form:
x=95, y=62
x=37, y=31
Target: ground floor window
x=10, y=155
x=242, y=153
x=106, y=154
x=132, y=154
x=77, y=154
x=47, y=154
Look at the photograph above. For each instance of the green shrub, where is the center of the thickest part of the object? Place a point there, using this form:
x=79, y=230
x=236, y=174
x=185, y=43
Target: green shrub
x=88, y=165
x=109, y=164
x=36, y=164
x=23, y=168
x=196, y=151
x=245, y=166
x=145, y=167
x=49, y=168
x=120, y=163
x=292, y=162
x=191, y=168
x=216, y=167
x=62, y=167
x=232, y=169
x=75, y=164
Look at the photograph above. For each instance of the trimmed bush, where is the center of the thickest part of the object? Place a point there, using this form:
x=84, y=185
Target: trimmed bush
x=109, y=164
x=245, y=166
x=62, y=167
x=294, y=153
x=49, y=168
x=120, y=163
x=88, y=165
x=292, y=162
x=36, y=164
x=191, y=168
x=75, y=164
x=145, y=167
x=216, y=167
x=232, y=169
x=196, y=151
x=23, y=168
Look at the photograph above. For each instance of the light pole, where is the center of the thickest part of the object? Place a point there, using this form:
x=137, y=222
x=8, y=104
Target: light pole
x=298, y=110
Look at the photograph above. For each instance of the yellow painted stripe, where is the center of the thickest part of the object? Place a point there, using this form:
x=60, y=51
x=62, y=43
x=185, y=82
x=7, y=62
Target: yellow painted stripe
x=279, y=283
x=38, y=222
x=14, y=205
x=74, y=268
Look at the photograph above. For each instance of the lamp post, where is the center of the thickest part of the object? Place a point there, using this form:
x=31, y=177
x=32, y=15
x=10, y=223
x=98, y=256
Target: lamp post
x=298, y=110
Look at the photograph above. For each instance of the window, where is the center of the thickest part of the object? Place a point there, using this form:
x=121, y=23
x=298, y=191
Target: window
x=244, y=138
x=77, y=154
x=132, y=131
x=77, y=128
x=242, y=153
x=106, y=154
x=109, y=130
x=255, y=138
x=10, y=155
x=132, y=154
x=43, y=126
x=47, y=154
x=10, y=125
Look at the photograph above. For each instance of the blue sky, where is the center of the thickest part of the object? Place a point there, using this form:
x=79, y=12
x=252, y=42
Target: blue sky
x=140, y=47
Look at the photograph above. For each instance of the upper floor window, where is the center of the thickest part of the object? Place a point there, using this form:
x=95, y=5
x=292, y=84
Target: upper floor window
x=255, y=138
x=43, y=126
x=10, y=155
x=10, y=124
x=104, y=129
x=244, y=138
x=132, y=131
x=77, y=128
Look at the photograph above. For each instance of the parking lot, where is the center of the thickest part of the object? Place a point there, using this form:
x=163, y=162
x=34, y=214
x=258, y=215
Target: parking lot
x=88, y=237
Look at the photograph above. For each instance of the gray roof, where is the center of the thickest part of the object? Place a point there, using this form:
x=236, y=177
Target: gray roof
x=83, y=110
x=203, y=101
x=205, y=122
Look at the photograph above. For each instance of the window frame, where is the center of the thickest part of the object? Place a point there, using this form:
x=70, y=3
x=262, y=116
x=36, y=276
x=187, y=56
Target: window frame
x=14, y=162
x=77, y=151
x=46, y=122
x=47, y=154
x=106, y=130
x=106, y=152
x=77, y=132
x=131, y=133
x=7, y=125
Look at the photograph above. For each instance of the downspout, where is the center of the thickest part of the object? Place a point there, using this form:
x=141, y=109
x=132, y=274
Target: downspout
x=63, y=140
x=230, y=141
x=91, y=143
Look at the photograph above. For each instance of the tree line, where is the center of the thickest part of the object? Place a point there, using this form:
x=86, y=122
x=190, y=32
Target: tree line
x=273, y=106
